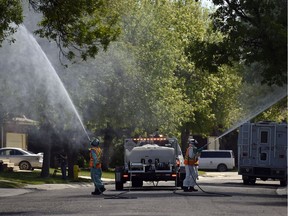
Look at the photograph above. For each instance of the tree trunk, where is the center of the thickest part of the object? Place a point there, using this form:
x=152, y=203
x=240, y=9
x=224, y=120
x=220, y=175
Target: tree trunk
x=185, y=133
x=108, y=137
x=46, y=161
x=72, y=160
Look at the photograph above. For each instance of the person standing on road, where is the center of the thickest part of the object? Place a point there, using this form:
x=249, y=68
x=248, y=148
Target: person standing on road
x=95, y=166
x=190, y=161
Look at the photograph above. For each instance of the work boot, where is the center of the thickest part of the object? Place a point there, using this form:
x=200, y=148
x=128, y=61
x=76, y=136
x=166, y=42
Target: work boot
x=185, y=189
x=96, y=192
x=192, y=189
x=102, y=189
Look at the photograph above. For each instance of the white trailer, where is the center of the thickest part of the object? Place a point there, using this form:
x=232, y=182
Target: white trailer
x=262, y=152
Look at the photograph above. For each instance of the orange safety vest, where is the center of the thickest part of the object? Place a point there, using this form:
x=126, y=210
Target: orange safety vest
x=99, y=157
x=190, y=161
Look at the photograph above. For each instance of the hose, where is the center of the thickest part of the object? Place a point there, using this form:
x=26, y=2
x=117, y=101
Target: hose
x=193, y=193
x=118, y=196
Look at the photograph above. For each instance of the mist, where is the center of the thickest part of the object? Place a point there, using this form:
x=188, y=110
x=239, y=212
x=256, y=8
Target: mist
x=30, y=85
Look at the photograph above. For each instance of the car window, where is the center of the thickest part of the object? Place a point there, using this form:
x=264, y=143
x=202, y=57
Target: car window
x=219, y=154
x=4, y=152
x=17, y=152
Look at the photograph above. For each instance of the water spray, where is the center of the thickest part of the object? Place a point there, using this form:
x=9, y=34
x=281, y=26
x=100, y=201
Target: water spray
x=61, y=85
x=278, y=97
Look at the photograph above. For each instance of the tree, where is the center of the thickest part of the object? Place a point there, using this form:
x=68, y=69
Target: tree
x=253, y=31
x=80, y=28
x=10, y=13
x=133, y=86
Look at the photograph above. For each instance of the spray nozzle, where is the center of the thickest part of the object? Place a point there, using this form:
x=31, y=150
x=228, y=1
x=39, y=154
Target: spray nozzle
x=94, y=142
x=91, y=140
x=200, y=149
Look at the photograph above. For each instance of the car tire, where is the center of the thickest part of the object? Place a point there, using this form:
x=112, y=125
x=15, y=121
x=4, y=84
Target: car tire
x=222, y=168
x=24, y=165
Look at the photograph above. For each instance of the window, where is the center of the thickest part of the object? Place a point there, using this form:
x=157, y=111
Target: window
x=215, y=154
x=264, y=136
x=263, y=156
x=16, y=152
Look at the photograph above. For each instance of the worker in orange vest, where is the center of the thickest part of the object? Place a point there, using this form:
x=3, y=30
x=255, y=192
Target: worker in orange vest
x=191, y=161
x=95, y=166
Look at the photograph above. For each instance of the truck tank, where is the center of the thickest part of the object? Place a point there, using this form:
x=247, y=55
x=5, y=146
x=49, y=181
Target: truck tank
x=150, y=159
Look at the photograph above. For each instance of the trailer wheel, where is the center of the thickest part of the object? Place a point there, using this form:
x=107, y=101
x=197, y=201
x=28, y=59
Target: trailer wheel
x=119, y=185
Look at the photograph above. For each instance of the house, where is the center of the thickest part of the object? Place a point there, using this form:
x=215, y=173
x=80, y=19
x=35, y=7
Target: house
x=14, y=132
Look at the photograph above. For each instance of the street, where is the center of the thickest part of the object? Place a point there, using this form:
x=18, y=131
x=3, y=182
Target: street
x=218, y=195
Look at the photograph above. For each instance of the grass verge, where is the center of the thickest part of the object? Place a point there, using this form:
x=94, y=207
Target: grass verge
x=20, y=179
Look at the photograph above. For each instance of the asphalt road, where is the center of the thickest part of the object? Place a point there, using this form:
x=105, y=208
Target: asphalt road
x=219, y=194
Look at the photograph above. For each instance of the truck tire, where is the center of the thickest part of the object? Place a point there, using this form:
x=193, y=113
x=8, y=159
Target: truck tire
x=283, y=183
x=137, y=183
x=249, y=180
x=119, y=185
x=179, y=181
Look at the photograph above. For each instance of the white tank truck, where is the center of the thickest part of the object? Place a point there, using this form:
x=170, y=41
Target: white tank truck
x=150, y=159
x=262, y=152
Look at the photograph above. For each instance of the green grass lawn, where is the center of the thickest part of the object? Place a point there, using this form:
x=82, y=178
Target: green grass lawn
x=20, y=179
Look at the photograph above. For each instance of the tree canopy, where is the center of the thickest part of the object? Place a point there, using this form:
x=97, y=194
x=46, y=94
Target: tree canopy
x=253, y=31
x=79, y=27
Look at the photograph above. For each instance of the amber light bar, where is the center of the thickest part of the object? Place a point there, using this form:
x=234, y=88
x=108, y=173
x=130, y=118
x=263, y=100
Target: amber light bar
x=148, y=139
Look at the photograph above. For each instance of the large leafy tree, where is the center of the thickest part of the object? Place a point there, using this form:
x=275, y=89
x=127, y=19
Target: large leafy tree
x=80, y=28
x=133, y=86
x=253, y=31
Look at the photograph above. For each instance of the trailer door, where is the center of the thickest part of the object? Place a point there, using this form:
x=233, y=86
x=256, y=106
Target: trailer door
x=264, y=138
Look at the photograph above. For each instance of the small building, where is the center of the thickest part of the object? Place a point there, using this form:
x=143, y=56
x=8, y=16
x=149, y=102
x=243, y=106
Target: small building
x=14, y=132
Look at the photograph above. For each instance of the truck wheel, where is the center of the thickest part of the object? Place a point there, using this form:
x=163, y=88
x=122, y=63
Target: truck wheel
x=252, y=181
x=283, y=183
x=119, y=185
x=248, y=180
x=137, y=183
x=179, y=183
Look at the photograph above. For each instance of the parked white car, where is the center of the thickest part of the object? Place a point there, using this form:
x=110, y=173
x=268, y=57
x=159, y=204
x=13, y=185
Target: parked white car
x=26, y=160
x=221, y=160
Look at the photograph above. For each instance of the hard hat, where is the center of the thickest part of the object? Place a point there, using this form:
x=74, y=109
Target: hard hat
x=192, y=141
x=95, y=142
